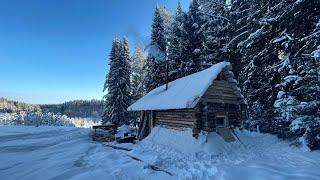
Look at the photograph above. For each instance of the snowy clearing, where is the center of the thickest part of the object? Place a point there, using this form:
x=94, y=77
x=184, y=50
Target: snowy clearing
x=68, y=153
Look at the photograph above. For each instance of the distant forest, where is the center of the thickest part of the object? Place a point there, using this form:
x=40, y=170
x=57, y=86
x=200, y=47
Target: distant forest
x=77, y=108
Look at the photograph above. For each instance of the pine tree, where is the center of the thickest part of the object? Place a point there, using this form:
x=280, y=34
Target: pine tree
x=118, y=84
x=154, y=73
x=159, y=28
x=298, y=98
x=194, y=30
x=279, y=80
x=155, y=66
x=110, y=84
x=126, y=61
x=177, y=42
x=137, y=73
x=214, y=13
x=240, y=16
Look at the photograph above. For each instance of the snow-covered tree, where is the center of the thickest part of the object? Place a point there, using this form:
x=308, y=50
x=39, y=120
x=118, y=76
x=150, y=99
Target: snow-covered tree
x=14, y=106
x=77, y=108
x=177, y=44
x=279, y=75
x=137, y=72
x=194, y=29
x=155, y=65
x=215, y=28
x=118, y=83
x=298, y=100
x=241, y=17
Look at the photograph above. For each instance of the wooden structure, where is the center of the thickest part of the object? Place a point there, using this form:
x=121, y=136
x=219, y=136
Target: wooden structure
x=104, y=133
x=219, y=107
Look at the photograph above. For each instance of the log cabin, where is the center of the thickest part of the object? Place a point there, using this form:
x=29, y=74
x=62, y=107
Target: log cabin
x=209, y=100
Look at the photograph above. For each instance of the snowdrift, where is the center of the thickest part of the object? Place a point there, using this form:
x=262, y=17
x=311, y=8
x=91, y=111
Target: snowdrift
x=261, y=156
x=182, y=141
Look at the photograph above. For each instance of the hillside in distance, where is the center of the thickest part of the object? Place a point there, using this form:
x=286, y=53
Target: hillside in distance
x=77, y=108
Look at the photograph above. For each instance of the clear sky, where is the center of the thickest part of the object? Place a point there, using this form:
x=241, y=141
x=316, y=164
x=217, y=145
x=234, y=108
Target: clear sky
x=52, y=51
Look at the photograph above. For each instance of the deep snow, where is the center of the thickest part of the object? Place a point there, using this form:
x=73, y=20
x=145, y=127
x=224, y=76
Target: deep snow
x=68, y=153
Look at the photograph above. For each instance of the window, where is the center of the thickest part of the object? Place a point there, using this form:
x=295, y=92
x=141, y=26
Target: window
x=221, y=121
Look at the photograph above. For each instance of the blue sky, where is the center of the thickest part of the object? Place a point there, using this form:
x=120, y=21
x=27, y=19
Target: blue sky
x=54, y=51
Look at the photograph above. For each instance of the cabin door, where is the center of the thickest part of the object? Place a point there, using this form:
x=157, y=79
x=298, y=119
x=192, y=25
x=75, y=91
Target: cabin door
x=222, y=128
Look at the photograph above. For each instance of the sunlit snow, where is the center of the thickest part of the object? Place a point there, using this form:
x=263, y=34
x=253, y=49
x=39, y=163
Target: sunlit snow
x=40, y=153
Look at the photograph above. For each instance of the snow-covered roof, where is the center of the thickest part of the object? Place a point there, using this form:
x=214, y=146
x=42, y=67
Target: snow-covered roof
x=182, y=93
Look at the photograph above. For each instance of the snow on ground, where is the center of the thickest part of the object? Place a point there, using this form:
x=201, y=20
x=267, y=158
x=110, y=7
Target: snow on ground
x=62, y=153
x=68, y=153
x=261, y=156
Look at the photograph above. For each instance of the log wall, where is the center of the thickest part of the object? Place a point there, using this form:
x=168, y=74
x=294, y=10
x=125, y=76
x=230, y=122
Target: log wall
x=219, y=100
x=180, y=118
x=220, y=92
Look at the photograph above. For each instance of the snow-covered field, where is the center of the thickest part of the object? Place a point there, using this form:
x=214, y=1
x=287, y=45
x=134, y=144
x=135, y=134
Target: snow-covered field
x=68, y=153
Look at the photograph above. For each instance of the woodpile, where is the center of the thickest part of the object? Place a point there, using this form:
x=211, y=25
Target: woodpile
x=104, y=133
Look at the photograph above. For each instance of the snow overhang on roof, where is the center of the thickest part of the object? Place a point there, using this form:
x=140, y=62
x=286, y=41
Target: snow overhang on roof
x=182, y=93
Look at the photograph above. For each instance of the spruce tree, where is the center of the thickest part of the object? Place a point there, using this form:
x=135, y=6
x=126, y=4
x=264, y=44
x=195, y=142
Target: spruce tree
x=137, y=73
x=298, y=93
x=240, y=16
x=110, y=84
x=214, y=13
x=155, y=65
x=118, y=84
x=177, y=42
x=194, y=30
x=279, y=77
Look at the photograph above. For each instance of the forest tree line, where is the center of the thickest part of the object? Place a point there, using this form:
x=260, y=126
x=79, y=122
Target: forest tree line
x=80, y=113
x=273, y=46
x=77, y=108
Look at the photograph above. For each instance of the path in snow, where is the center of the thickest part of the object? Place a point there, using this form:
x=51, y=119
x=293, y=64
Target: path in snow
x=62, y=153
x=68, y=153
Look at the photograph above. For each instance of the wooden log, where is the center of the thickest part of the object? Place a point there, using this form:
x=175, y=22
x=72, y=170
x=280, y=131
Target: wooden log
x=220, y=92
x=221, y=99
x=177, y=114
x=140, y=123
x=175, y=117
x=197, y=127
x=176, y=122
x=221, y=96
x=185, y=111
x=221, y=83
x=204, y=100
x=221, y=89
x=173, y=124
x=145, y=125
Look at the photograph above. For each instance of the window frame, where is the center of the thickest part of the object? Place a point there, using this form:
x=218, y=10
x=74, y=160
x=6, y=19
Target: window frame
x=224, y=121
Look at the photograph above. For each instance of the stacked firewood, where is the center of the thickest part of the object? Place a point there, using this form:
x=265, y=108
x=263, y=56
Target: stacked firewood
x=104, y=133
